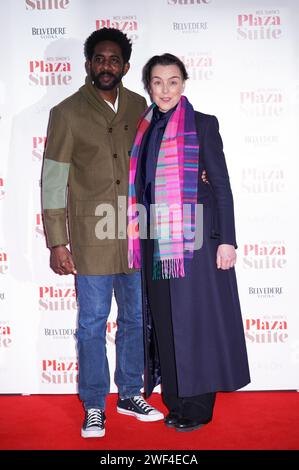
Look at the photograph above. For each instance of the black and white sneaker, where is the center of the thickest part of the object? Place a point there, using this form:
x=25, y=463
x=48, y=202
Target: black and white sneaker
x=138, y=407
x=94, y=423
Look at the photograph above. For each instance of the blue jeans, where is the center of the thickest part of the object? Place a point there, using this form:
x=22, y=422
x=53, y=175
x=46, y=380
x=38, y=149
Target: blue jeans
x=94, y=295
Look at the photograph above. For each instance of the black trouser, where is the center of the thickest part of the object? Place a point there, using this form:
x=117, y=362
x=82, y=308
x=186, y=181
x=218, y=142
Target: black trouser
x=158, y=293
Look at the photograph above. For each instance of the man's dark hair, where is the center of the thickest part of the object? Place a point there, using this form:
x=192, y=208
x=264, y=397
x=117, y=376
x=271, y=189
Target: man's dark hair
x=164, y=59
x=108, y=34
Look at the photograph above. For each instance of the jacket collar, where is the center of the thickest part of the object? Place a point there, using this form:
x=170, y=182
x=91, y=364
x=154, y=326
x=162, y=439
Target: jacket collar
x=101, y=106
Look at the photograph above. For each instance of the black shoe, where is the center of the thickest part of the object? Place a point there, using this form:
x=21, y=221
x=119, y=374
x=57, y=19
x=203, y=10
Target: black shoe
x=94, y=423
x=188, y=424
x=171, y=419
x=139, y=408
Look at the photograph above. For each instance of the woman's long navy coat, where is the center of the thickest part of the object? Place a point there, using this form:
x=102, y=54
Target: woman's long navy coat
x=208, y=331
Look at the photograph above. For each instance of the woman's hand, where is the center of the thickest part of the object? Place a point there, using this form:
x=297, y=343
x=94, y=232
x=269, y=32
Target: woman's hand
x=226, y=256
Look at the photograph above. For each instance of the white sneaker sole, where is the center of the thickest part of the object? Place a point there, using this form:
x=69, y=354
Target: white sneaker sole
x=92, y=433
x=145, y=418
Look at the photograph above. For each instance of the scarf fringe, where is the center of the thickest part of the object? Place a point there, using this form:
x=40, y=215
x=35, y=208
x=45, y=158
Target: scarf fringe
x=168, y=268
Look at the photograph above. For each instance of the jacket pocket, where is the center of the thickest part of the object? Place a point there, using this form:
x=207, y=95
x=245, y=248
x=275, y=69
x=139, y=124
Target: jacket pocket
x=95, y=223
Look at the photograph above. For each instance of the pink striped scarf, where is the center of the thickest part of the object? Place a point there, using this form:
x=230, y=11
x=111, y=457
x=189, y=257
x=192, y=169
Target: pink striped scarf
x=175, y=186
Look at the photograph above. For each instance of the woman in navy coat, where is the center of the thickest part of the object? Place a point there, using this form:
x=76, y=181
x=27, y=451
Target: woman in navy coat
x=194, y=338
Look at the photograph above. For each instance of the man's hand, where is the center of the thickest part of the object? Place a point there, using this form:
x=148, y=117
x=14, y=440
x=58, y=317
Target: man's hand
x=226, y=256
x=61, y=260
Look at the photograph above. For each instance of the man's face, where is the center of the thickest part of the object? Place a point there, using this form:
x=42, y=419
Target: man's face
x=107, y=66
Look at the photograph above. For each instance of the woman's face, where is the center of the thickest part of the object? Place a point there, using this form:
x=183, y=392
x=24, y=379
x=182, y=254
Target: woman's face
x=166, y=86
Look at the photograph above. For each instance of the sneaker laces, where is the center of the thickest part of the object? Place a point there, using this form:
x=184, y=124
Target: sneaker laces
x=94, y=417
x=143, y=404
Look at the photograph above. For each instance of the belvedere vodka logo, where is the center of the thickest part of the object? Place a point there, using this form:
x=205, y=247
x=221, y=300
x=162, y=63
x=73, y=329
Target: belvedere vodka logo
x=261, y=140
x=190, y=27
x=69, y=333
x=261, y=25
x=265, y=292
x=53, y=71
x=53, y=32
x=60, y=333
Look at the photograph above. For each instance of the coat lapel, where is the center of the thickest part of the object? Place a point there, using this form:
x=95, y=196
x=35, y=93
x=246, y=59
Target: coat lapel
x=96, y=101
x=122, y=104
x=100, y=105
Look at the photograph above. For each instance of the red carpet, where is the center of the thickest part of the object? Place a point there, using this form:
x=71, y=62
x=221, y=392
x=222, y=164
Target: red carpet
x=242, y=420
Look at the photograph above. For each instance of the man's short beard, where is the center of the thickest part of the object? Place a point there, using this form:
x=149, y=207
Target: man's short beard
x=100, y=86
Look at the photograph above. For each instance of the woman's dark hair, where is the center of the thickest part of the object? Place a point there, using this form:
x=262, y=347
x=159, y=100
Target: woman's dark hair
x=164, y=59
x=108, y=34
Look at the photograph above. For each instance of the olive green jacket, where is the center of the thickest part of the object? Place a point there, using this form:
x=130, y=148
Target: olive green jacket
x=86, y=165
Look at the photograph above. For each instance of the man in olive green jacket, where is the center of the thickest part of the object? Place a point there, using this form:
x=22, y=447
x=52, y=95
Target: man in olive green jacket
x=85, y=176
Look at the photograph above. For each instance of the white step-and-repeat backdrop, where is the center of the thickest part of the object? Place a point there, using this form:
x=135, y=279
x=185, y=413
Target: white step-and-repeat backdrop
x=242, y=58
